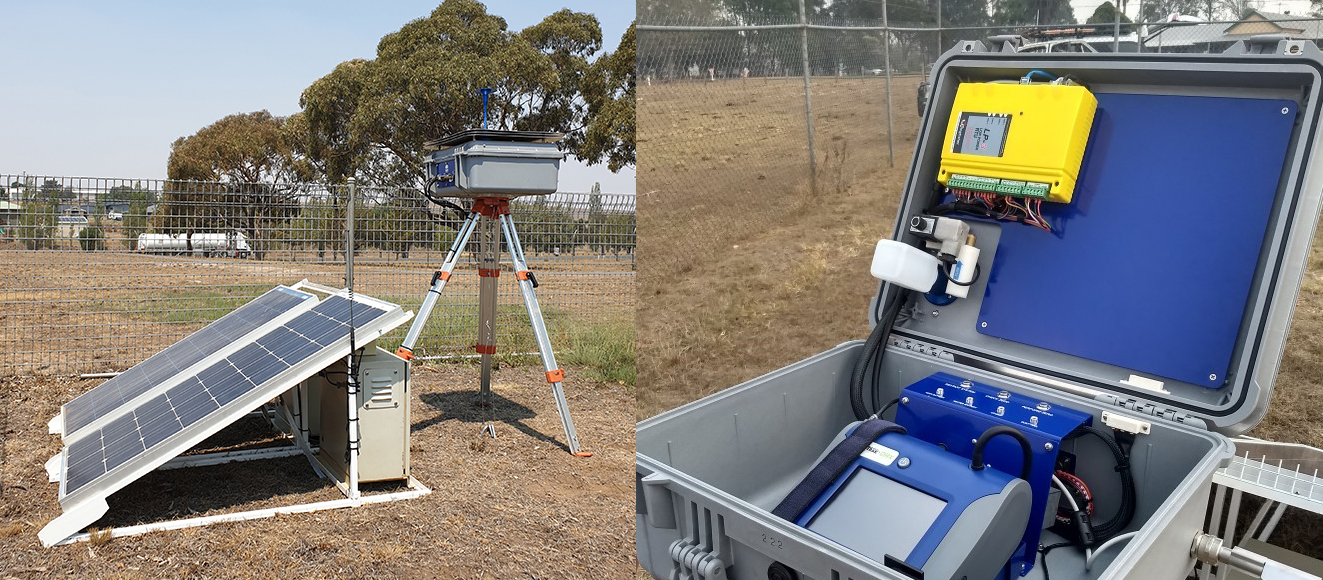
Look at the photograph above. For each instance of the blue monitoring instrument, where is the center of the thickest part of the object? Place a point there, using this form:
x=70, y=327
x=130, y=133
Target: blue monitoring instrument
x=917, y=509
x=1150, y=267
x=444, y=172
x=952, y=412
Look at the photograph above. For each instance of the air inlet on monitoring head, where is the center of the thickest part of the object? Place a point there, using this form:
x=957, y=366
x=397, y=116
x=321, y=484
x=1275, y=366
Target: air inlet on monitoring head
x=486, y=92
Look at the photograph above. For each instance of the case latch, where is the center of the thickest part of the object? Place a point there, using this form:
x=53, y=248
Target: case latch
x=1276, y=44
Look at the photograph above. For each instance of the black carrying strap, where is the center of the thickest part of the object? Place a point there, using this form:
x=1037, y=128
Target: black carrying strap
x=831, y=467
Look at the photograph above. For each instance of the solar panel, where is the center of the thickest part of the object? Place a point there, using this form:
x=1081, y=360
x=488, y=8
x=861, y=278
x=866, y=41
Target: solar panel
x=218, y=388
x=109, y=396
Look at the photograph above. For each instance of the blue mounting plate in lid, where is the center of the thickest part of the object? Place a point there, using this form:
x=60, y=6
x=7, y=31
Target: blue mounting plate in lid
x=1150, y=267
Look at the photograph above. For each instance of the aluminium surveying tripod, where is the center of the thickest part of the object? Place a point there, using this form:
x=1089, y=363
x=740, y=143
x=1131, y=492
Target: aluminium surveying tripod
x=497, y=224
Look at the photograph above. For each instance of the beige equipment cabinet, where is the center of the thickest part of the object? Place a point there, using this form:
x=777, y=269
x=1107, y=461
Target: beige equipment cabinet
x=383, y=416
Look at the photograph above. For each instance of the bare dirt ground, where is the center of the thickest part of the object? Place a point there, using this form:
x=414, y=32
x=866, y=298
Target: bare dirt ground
x=518, y=506
x=756, y=299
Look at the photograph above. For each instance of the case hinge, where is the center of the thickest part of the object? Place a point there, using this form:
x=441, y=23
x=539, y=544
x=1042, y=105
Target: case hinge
x=1147, y=408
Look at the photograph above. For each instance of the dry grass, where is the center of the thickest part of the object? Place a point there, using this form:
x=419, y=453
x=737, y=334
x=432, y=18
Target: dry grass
x=110, y=310
x=518, y=506
x=772, y=295
x=97, y=537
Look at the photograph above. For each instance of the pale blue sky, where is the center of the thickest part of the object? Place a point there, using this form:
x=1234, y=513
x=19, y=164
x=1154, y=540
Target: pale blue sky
x=101, y=89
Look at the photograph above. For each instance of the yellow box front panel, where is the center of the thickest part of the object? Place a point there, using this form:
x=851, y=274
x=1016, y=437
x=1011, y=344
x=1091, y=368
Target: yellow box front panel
x=1019, y=140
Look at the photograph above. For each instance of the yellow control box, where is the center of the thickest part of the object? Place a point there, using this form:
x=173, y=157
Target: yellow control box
x=1020, y=140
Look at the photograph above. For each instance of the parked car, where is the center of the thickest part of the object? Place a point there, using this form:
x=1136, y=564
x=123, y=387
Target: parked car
x=114, y=215
x=1064, y=45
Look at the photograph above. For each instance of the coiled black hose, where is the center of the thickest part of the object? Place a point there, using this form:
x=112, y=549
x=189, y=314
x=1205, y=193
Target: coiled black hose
x=1027, y=460
x=873, y=348
x=1126, y=513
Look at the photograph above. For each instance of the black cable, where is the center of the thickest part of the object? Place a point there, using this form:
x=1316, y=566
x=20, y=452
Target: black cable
x=971, y=281
x=1027, y=461
x=878, y=415
x=873, y=348
x=1126, y=512
x=1044, y=550
x=427, y=193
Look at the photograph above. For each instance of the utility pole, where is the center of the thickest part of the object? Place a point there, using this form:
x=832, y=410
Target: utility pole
x=1116, y=26
x=940, y=45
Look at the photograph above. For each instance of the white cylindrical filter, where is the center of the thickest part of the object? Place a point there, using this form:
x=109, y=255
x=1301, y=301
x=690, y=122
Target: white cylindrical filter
x=904, y=265
x=963, y=271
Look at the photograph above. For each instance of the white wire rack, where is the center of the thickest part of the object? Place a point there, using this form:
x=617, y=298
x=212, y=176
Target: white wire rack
x=1280, y=472
x=1283, y=474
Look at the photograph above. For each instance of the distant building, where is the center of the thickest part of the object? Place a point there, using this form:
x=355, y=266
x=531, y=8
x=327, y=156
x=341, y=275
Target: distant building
x=9, y=213
x=71, y=225
x=1217, y=37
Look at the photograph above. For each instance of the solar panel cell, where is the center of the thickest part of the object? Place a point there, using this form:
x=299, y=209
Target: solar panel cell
x=215, y=373
x=185, y=355
x=310, y=323
x=85, y=462
x=246, y=355
x=263, y=369
x=197, y=407
x=152, y=410
x=119, y=428
x=157, y=431
x=362, y=316
x=158, y=371
x=83, y=448
x=335, y=308
x=230, y=388
x=208, y=340
x=122, y=449
x=292, y=348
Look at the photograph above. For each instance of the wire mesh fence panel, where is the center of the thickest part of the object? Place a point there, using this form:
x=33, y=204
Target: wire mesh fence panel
x=101, y=273
x=722, y=109
x=722, y=130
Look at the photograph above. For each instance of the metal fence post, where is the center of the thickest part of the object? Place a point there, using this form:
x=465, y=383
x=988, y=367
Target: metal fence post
x=886, y=61
x=808, y=98
x=349, y=235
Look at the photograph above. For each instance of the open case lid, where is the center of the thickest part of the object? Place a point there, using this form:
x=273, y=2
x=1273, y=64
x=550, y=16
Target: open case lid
x=1169, y=281
x=492, y=135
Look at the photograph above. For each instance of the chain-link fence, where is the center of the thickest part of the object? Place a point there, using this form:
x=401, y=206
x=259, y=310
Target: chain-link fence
x=743, y=121
x=97, y=274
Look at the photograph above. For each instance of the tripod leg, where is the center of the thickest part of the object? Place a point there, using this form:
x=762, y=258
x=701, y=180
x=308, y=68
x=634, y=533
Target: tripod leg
x=489, y=268
x=554, y=373
x=438, y=282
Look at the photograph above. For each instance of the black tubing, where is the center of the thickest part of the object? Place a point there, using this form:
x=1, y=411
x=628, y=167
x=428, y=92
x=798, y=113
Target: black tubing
x=976, y=458
x=1124, y=514
x=873, y=348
